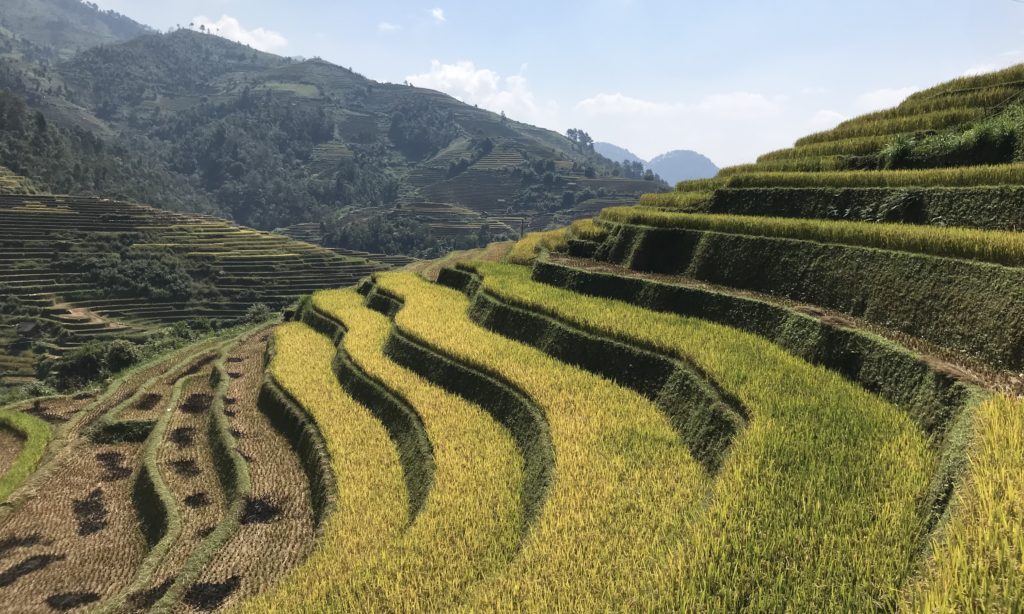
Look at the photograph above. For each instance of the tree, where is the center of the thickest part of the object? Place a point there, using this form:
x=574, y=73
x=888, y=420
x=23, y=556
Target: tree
x=580, y=139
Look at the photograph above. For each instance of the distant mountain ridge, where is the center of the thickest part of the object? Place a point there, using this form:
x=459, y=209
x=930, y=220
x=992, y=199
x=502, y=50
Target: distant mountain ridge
x=67, y=26
x=617, y=154
x=673, y=167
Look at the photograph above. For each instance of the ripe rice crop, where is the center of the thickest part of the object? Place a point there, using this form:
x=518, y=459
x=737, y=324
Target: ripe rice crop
x=372, y=508
x=675, y=200
x=813, y=164
x=861, y=146
x=37, y=434
x=985, y=97
x=1013, y=75
x=1001, y=247
x=623, y=484
x=963, y=176
x=977, y=559
x=700, y=185
x=937, y=120
x=472, y=521
x=527, y=248
x=817, y=506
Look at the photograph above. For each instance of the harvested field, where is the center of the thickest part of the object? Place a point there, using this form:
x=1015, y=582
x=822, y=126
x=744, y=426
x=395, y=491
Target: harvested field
x=277, y=530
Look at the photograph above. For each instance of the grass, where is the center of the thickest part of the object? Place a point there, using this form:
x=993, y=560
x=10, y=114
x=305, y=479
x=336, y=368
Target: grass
x=815, y=164
x=623, y=482
x=37, y=434
x=861, y=146
x=471, y=524
x=964, y=176
x=859, y=127
x=818, y=503
x=526, y=249
x=977, y=560
x=996, y=246
x=372, y=507
x=676, y=200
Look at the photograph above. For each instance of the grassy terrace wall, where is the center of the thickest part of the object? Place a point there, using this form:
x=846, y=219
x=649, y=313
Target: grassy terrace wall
x=979, y=312
x=401, y=421
x=515, y=411
x=930, y=396
x=705, y=417
x=990, y=208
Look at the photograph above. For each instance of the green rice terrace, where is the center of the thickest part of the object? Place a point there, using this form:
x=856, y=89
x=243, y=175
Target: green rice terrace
x=794, y=387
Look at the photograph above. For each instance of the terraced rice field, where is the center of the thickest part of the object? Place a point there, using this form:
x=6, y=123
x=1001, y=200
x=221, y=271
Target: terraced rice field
x=246, y=267
x=670, y=407
x=537, y=439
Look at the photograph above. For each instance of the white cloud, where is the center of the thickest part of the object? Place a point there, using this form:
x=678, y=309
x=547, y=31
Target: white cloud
x=826, y=120
x=884, y=98
x=1005, y=60
x=620, y=104
x=230, y=28
x=740, y=105
x=729, y=127
x=488, y=89
x=386, y=26
x=735, y=105
x=438, y=15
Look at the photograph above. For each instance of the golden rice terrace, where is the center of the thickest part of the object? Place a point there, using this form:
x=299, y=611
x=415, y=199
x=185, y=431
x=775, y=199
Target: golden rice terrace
x=795, y=387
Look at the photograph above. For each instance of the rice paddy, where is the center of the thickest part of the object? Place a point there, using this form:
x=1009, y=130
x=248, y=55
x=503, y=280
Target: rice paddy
x=659, y=409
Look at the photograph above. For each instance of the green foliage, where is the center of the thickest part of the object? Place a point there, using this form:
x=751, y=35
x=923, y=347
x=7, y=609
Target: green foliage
x=36, y=434
x=116, y=269
x=92, y=362
x=996, y=140
x=390, y=234
x=258, y=314
x=420, y=129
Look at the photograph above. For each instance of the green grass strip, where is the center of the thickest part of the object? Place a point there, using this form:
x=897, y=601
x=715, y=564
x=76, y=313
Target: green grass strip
x=976, y=562
x=233, y=472
x=159, y=516
x=624, y=483
x=821, y=501
x=37, y=434
x=471, y=524
x=995, y=246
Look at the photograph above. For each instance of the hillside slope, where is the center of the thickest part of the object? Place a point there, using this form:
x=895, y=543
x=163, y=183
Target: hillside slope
x=217, y=127
x=660, y=409
x=65, y=27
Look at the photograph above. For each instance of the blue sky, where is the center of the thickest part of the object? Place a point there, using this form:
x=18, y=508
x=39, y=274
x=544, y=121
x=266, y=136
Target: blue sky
x=729, y=78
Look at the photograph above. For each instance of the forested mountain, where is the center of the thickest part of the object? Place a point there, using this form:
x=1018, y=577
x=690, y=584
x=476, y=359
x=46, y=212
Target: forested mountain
x=65, y=27
x=683, y=165
x=673, y=167
x=190, y=121
x=616, y=153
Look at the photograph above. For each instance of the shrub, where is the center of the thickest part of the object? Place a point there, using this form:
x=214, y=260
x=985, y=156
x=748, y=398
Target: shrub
x=258, y=313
